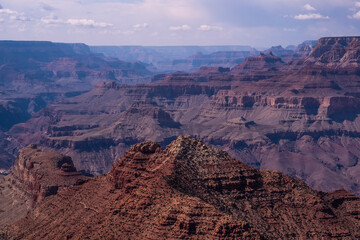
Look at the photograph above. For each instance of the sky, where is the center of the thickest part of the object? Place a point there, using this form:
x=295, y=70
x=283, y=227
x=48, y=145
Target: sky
x=258, y=23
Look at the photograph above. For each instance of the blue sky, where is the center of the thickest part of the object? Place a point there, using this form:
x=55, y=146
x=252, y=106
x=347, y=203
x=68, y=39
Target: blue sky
x=259, y=23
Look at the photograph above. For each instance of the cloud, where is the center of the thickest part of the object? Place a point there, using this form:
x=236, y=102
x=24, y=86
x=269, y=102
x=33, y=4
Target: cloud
x=310, y=16
x=7, y=11
x=357, y=4
x=180, y=28
x=139, y=26
x=205, y=27
x=88, y=23
x=355, y=16
x=20, y=18
x=14, y=15
x=54, y=20
x=308, y=7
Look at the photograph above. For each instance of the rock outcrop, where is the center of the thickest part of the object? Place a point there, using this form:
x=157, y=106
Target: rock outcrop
x=190, y=191
x=338, y=52
x=262, y=62
x=40, y=174
x=35, y=176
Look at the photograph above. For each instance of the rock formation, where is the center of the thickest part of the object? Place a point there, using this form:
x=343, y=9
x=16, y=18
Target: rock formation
x=190, y=191
x=337, y=51
x=35, y=176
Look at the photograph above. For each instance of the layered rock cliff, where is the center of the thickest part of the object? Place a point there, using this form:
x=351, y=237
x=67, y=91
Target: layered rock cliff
x=340, y=52
x=41, y=174
x=190, y=190
x=35, y=176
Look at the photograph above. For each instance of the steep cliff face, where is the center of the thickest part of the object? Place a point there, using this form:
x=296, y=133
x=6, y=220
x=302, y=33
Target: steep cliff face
x=35, y=176
x=41, y=174
x=336, y=51
x=190, y=190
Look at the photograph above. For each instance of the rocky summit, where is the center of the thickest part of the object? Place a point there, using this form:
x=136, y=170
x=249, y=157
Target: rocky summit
x=190, y=191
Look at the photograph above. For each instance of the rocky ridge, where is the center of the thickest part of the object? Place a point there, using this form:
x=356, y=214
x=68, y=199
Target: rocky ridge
x=190, y=190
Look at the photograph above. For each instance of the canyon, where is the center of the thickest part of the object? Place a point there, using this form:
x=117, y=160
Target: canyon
x=35, y=74
x=298, y=117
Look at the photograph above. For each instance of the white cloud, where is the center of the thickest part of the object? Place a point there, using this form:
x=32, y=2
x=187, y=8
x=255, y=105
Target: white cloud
x=87, y=23
x=180, y=28
x=139, y=27
x=205, y=27
x=308, y=7
x=1, y=20
x=20, y=18
x=54, y=20
x=310, y=16
x=14, y=15
x=355, y=16
x=7, y=11
x=357, y=4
